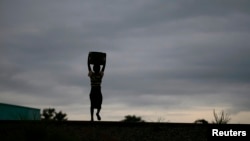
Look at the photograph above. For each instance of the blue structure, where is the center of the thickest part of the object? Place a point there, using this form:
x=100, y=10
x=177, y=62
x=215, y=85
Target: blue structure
x=15, y=112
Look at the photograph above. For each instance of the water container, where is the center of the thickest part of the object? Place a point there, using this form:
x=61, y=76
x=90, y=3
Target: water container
x=98, y=58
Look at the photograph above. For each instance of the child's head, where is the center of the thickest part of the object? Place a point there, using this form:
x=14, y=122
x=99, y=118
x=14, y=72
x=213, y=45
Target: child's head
x=96, y=68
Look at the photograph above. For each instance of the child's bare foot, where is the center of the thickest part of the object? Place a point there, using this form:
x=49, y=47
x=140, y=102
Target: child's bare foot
x=98, y=116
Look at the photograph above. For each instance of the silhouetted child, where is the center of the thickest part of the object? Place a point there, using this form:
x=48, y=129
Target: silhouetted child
x=95, y=93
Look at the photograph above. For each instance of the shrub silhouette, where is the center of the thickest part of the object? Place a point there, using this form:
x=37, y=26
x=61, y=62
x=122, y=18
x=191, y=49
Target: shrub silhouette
x=132, y=118
x=51, y=114
x=223, y=118
x=201, y=121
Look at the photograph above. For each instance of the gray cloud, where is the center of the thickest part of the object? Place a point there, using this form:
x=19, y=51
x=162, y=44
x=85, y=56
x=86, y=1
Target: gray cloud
x=176, y=55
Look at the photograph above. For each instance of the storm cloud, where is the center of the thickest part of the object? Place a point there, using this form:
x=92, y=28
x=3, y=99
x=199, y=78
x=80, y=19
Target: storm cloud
x=164, y=58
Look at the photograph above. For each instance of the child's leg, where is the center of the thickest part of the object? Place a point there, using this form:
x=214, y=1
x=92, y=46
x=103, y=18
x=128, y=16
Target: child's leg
x=97, y=114
x=92, y=113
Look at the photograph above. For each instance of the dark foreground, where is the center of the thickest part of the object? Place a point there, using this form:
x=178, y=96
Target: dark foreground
x=113, y=131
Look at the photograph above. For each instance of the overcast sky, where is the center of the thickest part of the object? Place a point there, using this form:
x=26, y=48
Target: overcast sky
x=173, y=60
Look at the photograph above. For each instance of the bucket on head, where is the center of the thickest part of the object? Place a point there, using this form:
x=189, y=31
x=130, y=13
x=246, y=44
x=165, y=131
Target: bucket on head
x=98, y=58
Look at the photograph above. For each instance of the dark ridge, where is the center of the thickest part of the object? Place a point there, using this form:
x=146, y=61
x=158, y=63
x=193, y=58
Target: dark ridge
x=112, y=131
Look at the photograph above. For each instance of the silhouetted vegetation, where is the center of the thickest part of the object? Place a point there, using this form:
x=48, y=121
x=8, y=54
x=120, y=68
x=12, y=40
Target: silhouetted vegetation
x=132, y=118
x=160, y=119
x=223, y=118
x=201, y=121
x=51, y=114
